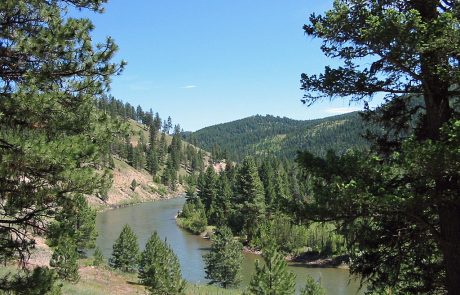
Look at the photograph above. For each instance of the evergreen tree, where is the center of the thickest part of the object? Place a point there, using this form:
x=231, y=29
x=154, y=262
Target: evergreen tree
x=64, y=260
x=98, y=258
x=52, y=136
x=125, y=255
x=251, y=196
x=208, y=188
x=272, y=278
x=39, y=281
x=169, y=177
x=223, y=262
x=312, y=288
x=267, y=177
x=159, y=268
x=133, y=185
x=413, y=53
x=162, y=149
x=176, y=148
x=139, y=113
x=157, y=122
x=222, y=203
x=169, y=124
x=76, y=220
x=130, y=154
x=281, y=190
x=152, y=162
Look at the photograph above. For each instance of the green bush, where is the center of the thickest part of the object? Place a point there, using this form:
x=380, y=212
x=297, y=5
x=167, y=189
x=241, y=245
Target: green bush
x=193, y=216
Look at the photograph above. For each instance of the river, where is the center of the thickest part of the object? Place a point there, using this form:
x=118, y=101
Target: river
x=159, y=216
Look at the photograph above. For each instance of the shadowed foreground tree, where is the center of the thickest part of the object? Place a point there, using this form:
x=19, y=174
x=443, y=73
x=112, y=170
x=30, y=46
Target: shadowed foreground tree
x=399, y=205
x=52, y=138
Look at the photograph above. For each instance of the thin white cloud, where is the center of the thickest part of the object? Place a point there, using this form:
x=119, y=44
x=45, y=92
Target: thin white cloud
x=343, y=110
x=189, y=87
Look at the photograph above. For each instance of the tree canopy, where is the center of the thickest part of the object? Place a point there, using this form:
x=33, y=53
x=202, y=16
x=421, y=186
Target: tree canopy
x=398, y=205
x=52, y=138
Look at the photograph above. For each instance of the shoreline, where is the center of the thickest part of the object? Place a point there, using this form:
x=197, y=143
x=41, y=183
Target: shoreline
x=306, y=259
x=104, y=206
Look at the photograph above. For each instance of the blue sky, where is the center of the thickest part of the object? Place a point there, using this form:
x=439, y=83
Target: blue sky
x=205, y=62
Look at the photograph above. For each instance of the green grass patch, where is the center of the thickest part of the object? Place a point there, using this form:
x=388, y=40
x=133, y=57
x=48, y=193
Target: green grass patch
x=209, y=289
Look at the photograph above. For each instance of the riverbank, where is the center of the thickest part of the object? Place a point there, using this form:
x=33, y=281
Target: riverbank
x=104, y=206
x=307, y=259
x=131, y=186
x=102, y=280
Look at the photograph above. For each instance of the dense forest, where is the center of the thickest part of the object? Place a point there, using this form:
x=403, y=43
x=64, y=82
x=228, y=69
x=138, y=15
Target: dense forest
x=262, y=203
x=281, y=137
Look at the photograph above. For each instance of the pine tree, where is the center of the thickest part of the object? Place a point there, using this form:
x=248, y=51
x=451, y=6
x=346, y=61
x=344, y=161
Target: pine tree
x=272, y=278
x=162, y=149
x=39, y=281
x=281, y=190
x=312, y=288
x=413, y=53
x=267, y=176
x=222, y=203
x=159, y=268
x=76, y=220
x=176, y=148
x=64, y=260
x=152, y=161
x=208, y=189
x=251, y=196
x=52, y=136
x=130, y=154
x=169, y=124
x=223, y=262
x=125, y=255
x=98, y=258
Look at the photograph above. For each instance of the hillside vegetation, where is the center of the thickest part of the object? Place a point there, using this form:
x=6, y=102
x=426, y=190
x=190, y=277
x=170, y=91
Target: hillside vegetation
x=282, y=137
x=147, y=158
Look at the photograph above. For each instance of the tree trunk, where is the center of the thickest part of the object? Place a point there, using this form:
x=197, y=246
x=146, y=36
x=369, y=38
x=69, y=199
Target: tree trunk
x=450, y=231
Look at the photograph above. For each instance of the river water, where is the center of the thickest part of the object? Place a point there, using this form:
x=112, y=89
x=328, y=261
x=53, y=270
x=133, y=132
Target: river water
x=159, y=216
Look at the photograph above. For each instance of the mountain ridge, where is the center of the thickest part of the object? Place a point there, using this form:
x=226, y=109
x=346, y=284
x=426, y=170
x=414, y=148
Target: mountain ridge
x=281, y=136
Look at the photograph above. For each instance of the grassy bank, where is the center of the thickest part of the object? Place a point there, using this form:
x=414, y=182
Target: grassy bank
x=104, y=280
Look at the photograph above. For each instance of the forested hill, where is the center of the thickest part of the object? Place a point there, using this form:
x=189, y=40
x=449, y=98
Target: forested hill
x=258, y=135
x=146, y=155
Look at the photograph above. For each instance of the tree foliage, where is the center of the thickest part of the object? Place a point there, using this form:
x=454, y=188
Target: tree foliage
x=76, y=220
x=125, y=255
x=98, y=257
x=65, y=260
x=280, y=137
x=52, y=138
x=159, y=268
x=312, y=288
x=399, y=204
x=223, y=262
x=272, y=278
x=251, y=193
x=39, y=281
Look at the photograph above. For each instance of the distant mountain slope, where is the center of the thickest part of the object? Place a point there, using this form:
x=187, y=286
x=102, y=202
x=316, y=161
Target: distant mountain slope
x=283, y=137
